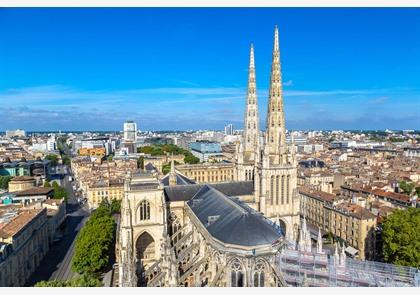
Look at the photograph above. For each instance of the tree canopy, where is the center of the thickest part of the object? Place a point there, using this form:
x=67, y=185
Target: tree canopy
x=53, y=158
x=115, y=206
x=82, y=281
x=406, y=187
x=59, y=191
x=167, y=167
x=162, y=149
x=95, y=241
x=66, y=160
x=140, y=162
x=4, y=181
x=401, y=237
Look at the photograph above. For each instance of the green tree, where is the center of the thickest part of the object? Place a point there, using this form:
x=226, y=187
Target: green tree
x=191, y=159
x=47, y=183
x=401, y=237
x=167, y=167
x=160, y=150
x=406, y=187
x=140, y=162
x=82, y=281
x=4, y=181
x=95, y=241
x=59, y=191
x=66, y=160
x=115, y=206
x=53, y=158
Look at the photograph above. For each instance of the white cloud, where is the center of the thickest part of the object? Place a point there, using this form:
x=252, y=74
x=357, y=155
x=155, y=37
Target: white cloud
x=379, y=100
x=288, y=83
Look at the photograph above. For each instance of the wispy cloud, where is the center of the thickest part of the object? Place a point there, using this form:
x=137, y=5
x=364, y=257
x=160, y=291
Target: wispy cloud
x=379, y=100
x=288, y=83
x=188, y=83
x=186, y=107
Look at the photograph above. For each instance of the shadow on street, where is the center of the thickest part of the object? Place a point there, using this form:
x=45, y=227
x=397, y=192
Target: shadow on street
x=57, y=252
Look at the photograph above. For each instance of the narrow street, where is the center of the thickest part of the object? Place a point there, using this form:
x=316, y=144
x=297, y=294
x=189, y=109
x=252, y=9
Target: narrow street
x=56, y=264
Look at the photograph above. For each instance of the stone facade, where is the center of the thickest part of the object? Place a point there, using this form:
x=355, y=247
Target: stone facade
x=350, y=222
x=20, y=183
x=208, y=172
x=271, y=165
x=23, y=244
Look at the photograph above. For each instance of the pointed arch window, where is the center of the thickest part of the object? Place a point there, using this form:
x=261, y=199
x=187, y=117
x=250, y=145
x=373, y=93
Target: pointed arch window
x=175, y=226
x=259, y=274
x=144, y=210
x=282, y=189
x=237, y=274
x=287, y=189
x=272, y=190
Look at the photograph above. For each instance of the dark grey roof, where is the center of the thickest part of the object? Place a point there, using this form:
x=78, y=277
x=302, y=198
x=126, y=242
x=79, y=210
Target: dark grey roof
x=149, y=167
x=180, y=180
x=186, y=192
x=231, y=221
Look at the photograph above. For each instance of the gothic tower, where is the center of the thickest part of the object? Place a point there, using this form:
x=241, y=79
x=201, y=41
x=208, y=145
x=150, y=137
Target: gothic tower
x=276, y=179
x=276, y=131
x=127, y=271
x=247, y=151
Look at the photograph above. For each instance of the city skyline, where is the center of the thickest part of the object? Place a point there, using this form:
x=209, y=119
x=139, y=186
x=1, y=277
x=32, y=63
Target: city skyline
x=96, y=68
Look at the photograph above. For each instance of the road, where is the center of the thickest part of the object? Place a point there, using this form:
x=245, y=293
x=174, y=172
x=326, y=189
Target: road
x=56, y=264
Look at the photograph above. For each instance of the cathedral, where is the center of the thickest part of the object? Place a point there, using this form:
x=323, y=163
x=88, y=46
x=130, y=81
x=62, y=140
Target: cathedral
x=241, y=233
x=174, y=232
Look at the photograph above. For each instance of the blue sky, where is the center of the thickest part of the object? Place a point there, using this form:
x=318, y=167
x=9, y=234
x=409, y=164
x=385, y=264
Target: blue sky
x=178, y=68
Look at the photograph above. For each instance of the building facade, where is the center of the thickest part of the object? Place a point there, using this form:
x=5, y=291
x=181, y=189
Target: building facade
x=208, y=172
x=24, y=237
x=130, y=131
x=98, y=192
x=350, y=222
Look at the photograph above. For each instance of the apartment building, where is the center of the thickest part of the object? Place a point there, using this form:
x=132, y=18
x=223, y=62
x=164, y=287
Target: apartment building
x=23, y=243
x=350, y=222
x=208, y=172
x=101, y=190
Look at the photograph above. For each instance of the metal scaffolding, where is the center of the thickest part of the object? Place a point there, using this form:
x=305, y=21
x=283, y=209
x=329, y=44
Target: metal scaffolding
x=321, y=270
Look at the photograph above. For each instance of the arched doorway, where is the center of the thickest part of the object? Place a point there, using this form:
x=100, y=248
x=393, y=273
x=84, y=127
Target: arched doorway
x=145, y=253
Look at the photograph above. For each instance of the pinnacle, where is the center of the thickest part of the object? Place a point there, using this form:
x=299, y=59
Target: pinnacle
x=251, y=57
x=276, y=38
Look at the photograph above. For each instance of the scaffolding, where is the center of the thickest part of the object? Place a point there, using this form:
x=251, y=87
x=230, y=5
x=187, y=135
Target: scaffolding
x=321, y=270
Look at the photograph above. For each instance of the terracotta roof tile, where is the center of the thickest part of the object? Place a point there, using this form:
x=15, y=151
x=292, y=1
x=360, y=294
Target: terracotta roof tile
x=19, y=222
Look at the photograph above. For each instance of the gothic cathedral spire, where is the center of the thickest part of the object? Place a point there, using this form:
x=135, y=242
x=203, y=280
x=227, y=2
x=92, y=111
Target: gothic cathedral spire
x=276, y=131
x=251, y=128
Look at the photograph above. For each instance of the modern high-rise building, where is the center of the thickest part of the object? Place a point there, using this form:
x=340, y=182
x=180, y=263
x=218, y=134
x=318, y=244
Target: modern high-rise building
x=130, y=131
x=229, y=129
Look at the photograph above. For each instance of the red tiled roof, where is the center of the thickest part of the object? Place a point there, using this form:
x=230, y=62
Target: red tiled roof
x=35, y=191
x=392, y=195
x=19, y=222
x=356, y=211
x=317, y=194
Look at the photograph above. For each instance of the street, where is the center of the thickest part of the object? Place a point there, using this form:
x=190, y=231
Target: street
x=56, y=264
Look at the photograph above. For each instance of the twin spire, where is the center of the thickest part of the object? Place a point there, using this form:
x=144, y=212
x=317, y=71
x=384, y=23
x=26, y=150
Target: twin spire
x=251, y=128
x=275, y=139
